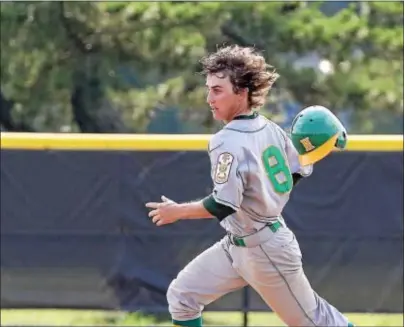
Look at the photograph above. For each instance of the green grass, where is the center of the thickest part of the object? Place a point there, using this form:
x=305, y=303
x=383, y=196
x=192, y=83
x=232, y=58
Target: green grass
x=104, y=318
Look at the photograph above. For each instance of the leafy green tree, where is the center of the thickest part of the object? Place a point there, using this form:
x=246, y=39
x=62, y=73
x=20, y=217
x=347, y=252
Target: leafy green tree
x=113, y=66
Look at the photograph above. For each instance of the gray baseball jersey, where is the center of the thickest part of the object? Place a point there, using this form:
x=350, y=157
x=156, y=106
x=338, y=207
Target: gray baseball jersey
x=252, y=161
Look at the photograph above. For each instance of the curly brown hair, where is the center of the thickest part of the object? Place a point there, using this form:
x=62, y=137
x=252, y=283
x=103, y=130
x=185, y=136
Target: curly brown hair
x=246, y=68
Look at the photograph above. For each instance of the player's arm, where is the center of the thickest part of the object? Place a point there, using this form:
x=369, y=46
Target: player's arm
x=215, y=205
x=194, y=210
x=226, y=195
x=217, y=210
x=205, y=208
x=168, y=211
x=224, y=200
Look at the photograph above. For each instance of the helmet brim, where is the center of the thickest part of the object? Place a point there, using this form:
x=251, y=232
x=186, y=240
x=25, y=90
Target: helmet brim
x=319, y=153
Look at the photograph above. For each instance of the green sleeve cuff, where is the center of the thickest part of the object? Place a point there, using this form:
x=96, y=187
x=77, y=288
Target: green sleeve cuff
x=216, y=209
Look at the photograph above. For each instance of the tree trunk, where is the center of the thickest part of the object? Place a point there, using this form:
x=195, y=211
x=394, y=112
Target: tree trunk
x=91, y=110
x=6, y=118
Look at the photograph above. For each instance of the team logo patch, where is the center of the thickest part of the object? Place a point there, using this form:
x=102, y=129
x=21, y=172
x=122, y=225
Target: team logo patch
x=307, y=144
x=223, y=167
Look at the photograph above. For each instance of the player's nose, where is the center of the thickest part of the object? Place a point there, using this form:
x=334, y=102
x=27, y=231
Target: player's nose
x=210, y=99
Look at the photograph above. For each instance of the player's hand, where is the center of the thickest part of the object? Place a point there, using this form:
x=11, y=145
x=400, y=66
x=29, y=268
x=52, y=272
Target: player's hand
x=165, y=212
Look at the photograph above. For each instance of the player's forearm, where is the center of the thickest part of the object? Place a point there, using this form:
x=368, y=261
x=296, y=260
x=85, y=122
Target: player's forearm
x=194, y=210
x=205, y=208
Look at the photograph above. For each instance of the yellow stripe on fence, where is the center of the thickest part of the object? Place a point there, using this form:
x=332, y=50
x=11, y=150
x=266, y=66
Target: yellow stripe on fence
x=160, y=142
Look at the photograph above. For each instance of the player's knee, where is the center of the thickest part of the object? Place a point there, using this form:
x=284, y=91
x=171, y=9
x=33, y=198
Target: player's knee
x=172, y=295
x=183, y=305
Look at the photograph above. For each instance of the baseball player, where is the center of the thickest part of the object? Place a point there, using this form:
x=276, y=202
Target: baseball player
x=255, y=166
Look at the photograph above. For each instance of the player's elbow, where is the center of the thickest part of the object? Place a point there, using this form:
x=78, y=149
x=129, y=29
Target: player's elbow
x=216, y=209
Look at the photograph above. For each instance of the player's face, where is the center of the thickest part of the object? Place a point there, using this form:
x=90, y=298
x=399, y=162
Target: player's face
x=224, y=102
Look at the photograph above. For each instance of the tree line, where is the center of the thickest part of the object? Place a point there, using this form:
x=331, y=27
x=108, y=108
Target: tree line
x=114, y=67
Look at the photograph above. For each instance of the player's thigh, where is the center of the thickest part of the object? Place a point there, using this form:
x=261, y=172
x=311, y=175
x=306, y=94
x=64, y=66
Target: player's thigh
x=275, y=272
x=206, y=278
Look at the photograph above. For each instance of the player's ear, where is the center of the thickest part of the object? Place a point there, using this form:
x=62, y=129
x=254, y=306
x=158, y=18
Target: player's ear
x=243, y=92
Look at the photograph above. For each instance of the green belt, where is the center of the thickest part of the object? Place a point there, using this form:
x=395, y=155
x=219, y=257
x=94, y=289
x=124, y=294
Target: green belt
x=238, y=241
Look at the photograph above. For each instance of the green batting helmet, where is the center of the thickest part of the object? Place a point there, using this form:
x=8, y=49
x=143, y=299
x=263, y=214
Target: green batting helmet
x=315, y=132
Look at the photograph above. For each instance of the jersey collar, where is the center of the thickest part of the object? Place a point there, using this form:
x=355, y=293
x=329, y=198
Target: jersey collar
x=252, y=116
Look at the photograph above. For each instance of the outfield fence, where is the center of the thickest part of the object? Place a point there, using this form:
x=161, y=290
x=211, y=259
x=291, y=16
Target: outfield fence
x=75, y=232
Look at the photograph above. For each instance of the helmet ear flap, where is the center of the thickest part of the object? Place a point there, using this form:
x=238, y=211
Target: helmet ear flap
x=341, y=141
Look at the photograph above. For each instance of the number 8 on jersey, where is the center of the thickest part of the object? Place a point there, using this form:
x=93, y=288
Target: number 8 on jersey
x=276, y=169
